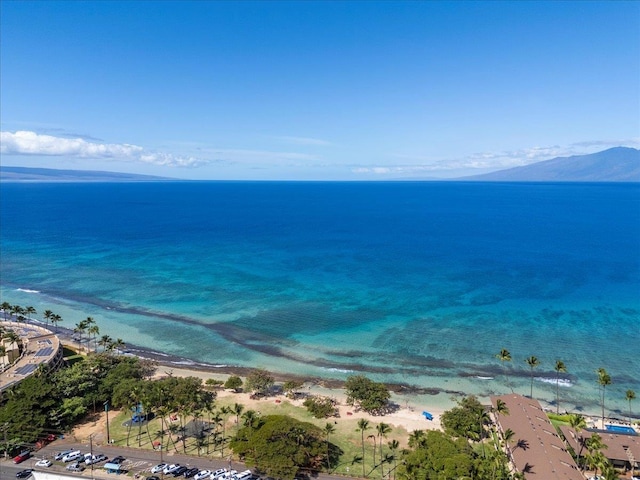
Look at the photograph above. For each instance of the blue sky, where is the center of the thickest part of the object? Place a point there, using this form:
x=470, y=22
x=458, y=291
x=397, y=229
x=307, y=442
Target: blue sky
x=315, y=90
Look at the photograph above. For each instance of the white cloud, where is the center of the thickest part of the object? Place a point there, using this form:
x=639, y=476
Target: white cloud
x=490, y=161
x=31, y=143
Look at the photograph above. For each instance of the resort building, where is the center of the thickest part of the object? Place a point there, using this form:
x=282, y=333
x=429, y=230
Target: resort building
x=535, y=449
x=41, y=347
x=623, y=449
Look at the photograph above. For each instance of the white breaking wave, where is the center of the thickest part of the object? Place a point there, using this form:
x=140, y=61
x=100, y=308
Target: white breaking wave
x=26, y=290
x=341, y=370
x=563, y=382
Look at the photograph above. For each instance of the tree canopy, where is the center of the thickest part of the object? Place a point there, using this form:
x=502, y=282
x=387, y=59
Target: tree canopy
x=280, y=446
x=370, y=396
x=466, y=420
x=259, y=382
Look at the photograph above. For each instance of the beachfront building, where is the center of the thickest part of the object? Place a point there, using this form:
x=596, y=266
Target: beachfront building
x=535, y=449
x=40, y=347
x=622, y=449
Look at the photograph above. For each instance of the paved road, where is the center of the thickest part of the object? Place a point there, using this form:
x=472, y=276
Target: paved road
x=138, y=461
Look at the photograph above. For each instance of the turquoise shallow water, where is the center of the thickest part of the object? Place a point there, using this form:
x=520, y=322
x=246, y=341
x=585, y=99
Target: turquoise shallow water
x=416, y=283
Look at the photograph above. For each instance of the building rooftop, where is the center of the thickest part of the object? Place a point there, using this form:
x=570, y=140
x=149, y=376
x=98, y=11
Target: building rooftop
x=536, y=449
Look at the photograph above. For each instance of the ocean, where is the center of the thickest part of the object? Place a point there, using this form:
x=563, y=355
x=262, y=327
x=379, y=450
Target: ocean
x=414, y=283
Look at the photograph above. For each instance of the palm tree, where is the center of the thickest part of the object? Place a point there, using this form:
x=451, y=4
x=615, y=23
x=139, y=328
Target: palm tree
x=363, y=425
x=55, y=319
x=596, y=458
x=80, y=328
x=393, y=447
x=105, y=342
x=3, y=352
x=17, y=311
x=329, y=428
x=249, y=418
x=95, y=330
x=630, y=395
x=47, y=316
x=577, y=422
x=508, y=435
x=559, y=368
x=604, y=379
x=373, y=437
x=504, y=356
x=6, y=307
x=119, y=345
x=30, y=311
x=533, y=362
x=89, y=323
x=224, y=411
x=501, y=408
x=417, y=438
x=238, y=408
x=382, y=429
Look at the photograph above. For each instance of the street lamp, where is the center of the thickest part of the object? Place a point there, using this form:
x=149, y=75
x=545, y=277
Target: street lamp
x=106, y=409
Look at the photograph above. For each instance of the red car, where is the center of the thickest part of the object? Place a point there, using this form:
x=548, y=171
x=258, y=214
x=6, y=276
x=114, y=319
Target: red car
x=22, y=456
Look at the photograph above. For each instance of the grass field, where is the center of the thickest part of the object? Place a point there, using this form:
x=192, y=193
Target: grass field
x=346, y=436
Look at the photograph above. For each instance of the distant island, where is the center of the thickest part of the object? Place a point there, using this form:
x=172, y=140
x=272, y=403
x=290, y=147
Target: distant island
x=618, y=164
x=27, y=174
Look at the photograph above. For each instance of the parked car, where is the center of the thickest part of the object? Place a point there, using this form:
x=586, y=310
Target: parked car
x=101, y=457
x=246, y=475
x=72, y=456
x=75, y=467
x=59, y=455
x=190, y=472
x=24, y=473
x=218, y=473
x=22, y=456
x=202, y=475
x=158, y=468
x=153, y=477
x=119, y=459
x=179, y=471
x=171, y=468
x=43, y=463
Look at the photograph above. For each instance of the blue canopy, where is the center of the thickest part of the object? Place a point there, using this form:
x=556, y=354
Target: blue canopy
x=427, y=415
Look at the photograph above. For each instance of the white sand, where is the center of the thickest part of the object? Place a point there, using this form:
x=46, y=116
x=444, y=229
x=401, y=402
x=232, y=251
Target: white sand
x=406, y=416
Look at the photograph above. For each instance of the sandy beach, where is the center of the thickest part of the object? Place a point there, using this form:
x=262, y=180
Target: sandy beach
x=406, y=415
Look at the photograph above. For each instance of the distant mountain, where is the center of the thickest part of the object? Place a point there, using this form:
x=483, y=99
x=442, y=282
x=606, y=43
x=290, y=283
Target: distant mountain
x=619, y=164
x=26, y=174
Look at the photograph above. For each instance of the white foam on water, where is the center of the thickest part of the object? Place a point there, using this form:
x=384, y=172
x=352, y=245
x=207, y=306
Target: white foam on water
x=563, y=382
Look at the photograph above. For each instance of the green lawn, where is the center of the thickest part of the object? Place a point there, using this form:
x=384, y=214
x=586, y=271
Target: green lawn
x=346, y=436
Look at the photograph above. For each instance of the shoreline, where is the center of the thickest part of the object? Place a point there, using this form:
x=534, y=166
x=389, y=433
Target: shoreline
x=404, y=415
x=432, y=399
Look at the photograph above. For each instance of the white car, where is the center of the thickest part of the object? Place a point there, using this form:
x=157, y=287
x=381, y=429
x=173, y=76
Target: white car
x=202, y=474
x=43, y=463
x=218, y=473
x=71, y=456
x=59, y=455
x=246, y=475
x=158, y=468
x=171, y=468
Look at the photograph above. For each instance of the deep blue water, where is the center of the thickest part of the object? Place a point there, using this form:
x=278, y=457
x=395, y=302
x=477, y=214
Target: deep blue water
x=419, y=283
